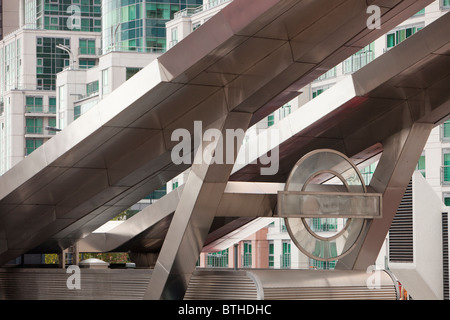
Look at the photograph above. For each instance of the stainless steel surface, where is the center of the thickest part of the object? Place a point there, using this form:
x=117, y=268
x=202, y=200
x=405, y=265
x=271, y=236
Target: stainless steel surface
x=130, y=284
x=318, y=168
x=388, y=107
x=51, y=284
x=291, y=285
x=240, y=205
x=194, y=215
x=328, y=205
x=242, y=59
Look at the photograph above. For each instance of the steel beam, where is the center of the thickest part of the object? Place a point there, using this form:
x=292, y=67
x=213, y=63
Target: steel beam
x=194, y=214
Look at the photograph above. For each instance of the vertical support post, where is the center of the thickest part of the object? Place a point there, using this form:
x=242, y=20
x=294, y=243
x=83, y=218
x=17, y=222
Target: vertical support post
x=195, y=213
x=236, y=248
x=62, y=258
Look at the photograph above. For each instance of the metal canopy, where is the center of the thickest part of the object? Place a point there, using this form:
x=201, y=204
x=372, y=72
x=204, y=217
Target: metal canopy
x=243, y=59
x=377, y=113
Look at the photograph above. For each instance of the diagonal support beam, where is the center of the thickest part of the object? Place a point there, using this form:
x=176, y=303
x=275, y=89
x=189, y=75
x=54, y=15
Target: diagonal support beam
x=195, y=212
x=401, y=152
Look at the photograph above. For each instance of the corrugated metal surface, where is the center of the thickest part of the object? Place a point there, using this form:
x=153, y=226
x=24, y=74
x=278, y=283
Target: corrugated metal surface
x=331, y=293
x=51, y=284
x=445, y=254
x=290, y=285
x=401, y=230
x=221, y=285
x=205, y=284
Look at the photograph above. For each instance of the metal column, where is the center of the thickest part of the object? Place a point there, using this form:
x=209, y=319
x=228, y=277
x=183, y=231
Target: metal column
x=193, y=217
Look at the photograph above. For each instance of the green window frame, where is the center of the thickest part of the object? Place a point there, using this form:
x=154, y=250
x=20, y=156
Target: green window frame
x=92, y=88
x=87, y=46
x=286, y=255
x=34, y=125
x=217, y=259
x=445, y=130
x=52, y=105
x=86, y=63
x=32, y=144
x=131, y=72
x=271, y=254
x=33, y=104
x=247, y=254
x=421, y=165
x=446, y=167
x=270, y=120
x=445, y=4
x=396, y=37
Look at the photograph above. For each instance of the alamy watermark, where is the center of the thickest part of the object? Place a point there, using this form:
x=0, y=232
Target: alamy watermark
x=74, y=280
x=214, y=147
x=74, y=21
x=374, y=20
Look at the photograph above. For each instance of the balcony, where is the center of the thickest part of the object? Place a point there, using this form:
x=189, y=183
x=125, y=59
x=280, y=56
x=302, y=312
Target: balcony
x=38, y=132
x=33, y=110
x=191, y=11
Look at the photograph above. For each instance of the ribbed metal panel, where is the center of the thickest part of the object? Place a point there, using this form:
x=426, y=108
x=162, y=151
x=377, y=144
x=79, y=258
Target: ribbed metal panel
x=51, y=284
x=221, y=286
x=331, y=293
x=445, y=254
x=205, y=284
x=401, y=230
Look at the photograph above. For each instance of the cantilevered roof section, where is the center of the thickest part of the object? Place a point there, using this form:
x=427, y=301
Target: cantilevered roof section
x=248, y=55
x=355, y=116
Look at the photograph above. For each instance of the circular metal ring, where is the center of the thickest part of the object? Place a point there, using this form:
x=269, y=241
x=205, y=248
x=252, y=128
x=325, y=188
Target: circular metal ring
x=308, y=168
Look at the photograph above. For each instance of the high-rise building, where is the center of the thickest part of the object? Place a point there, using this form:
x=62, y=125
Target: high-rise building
x=53, y=35
x=68, y=15
x=139, y=25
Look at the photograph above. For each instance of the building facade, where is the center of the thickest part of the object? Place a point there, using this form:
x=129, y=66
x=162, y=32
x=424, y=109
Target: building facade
x=139, y=25
x=30, y=57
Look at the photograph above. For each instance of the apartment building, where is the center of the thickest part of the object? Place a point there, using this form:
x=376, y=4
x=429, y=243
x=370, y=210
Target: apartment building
x=52, y=36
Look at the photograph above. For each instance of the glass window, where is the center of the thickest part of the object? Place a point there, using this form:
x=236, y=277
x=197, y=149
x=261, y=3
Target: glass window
x=217, y=259
x=271, y=254
x=52, y=104
x=86, y=63
x=421, y=165
x=271, y=120
x=105, y=81
x=445, y=131
x=131, y=72
x=33, y=104
x=92, y=88
x=34, y=125
x=286, y=254
x=247, y=254
x=446, y=167
x=87, y=46
x=32, y=144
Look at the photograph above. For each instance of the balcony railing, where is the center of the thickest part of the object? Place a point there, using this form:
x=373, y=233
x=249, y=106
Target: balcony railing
x=38, y=130
x=89, y=51
x=34, y=130
x=247, y=260
x=285, y=261
x=40, y=109
x=191, y=11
